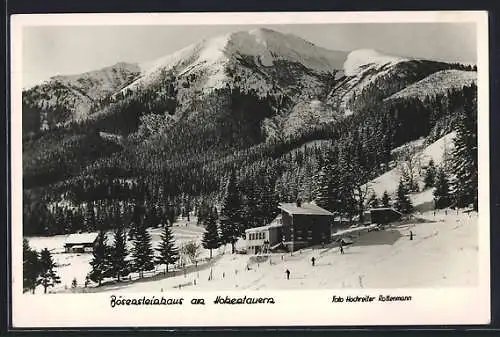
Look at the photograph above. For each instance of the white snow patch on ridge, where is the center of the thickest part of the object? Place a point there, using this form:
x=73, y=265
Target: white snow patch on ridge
x=361, y=57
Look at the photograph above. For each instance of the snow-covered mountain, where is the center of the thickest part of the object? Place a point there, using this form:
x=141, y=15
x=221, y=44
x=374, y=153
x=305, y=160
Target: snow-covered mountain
x=296, y=83
x=73, y=97
x=262, y=47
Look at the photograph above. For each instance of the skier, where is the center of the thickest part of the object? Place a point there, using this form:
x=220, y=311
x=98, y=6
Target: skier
x=287, y=274
x=341, y=246
x=313, y=260
x=411, y=235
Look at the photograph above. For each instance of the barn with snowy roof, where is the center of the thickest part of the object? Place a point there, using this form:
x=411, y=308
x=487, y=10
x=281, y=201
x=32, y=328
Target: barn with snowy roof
x=80, y=243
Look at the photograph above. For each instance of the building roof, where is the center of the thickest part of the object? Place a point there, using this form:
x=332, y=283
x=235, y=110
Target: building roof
x=262, y=228
x=305, y=209
x=385, y=209
x=81, y=238
x=274, y=224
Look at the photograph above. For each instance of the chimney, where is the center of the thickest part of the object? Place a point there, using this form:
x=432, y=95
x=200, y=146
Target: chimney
x=299, y=202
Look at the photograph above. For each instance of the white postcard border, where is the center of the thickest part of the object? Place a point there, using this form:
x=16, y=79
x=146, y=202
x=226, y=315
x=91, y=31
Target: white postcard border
x=442, y=306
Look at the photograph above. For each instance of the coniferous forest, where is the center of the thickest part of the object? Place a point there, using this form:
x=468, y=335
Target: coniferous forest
x=146, y=152
x=77, y=180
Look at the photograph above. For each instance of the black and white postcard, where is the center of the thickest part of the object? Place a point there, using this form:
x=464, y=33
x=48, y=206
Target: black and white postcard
x=250, y=169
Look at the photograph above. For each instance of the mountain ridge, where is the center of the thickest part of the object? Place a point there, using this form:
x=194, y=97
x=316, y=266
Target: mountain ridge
x=210, y=109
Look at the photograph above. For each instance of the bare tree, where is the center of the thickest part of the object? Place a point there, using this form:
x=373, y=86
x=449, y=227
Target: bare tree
x=191, y=250
x=410, y=165
x=360, y=194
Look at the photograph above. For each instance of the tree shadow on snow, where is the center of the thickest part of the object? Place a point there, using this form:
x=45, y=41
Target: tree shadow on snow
x=383, y=237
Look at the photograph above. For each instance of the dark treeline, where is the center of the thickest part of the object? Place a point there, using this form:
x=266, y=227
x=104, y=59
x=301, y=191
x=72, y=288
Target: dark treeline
x=173, y=170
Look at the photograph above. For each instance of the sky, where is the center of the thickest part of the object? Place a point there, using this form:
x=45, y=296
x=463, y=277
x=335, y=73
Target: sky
x=50, y=50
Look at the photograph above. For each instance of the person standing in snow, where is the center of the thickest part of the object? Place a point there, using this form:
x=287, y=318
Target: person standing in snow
x=411, y=235
x=341, y=247
x=287, y=274
x=313, y=260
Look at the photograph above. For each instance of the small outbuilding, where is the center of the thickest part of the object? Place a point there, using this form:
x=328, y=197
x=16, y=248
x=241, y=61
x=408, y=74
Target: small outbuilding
x=382, y=216
x=80, y=243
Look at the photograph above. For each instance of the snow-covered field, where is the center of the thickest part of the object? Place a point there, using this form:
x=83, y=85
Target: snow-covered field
x=77, y=266
x=443, y=252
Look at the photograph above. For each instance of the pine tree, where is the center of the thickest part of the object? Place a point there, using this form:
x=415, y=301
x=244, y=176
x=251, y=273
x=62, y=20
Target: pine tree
x=138, y=215
x=120, y=265
x=268, y=201
x=430, y=175
x=464, y=163
x=31, y=267
x=349, y=180
x=48, y=277
x=329, y=192
x=403, y=203
x=211, y=234
x=386, y=200
x=230, y=219
x=89, y=219
x=442, y=191
x=169, y=254
x=142, y=252
x=101, y=262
